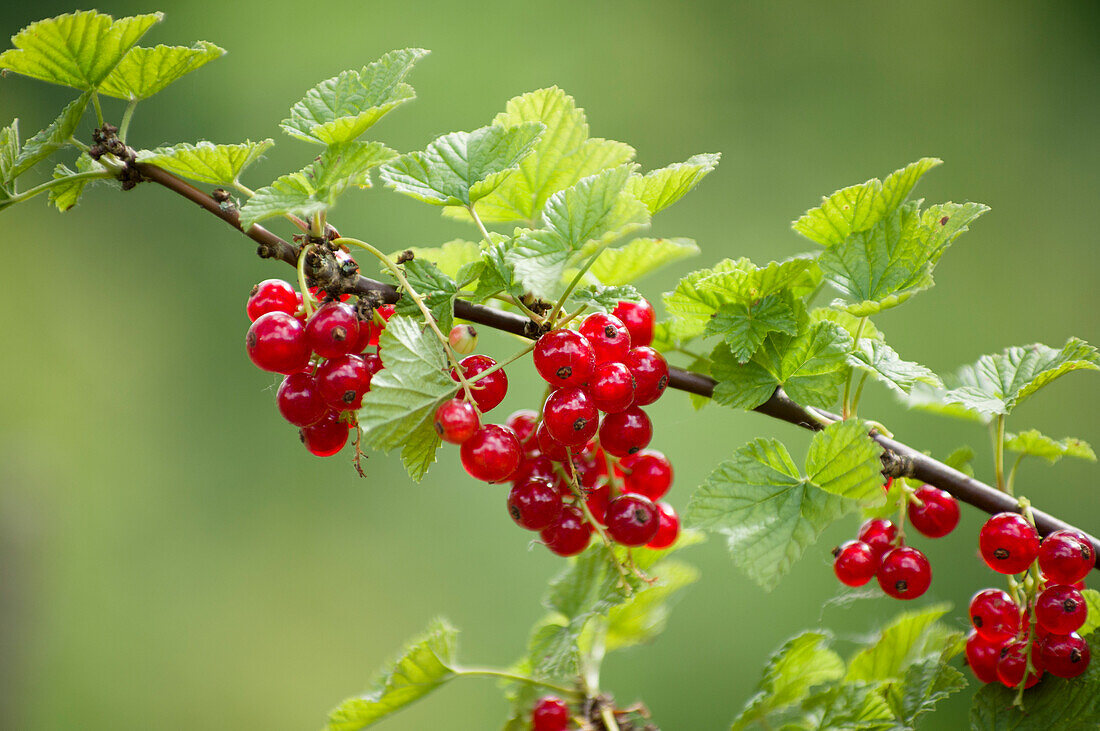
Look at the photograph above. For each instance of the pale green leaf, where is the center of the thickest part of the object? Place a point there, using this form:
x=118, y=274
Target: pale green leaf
x=9, y=152
x=1034, y=444
x=347, y=105
x=145, y=71
x=659, y=189
x=66, y=195
x=51, y=139
x=923, y=397
x=923, y=685
x=449, y=257
x=207, y=162
x=426, y=664
x=76, y=49
x=844, y=460
x=743, y=327
x=639, y=258
x=1092, y=621
x=898, y=645
x=884, y=364
x=643, y=616
x=852, y=324
x=460, y=168
x=436, y=289
x=853, y=706
x=960, y=460
x=604, y=299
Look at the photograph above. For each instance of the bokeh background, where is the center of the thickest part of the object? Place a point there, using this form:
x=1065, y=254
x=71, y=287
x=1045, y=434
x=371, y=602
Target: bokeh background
x=171, y=558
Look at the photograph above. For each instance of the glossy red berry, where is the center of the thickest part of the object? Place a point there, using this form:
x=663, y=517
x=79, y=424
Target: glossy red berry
x=994, y=614
x=982, y=656
x=569, y=535
x=299, y=400
x=879, y=534
x=342, y=382
x=333, y=330
x=608, y=335
x=550, y=714
x=638, y=318
x=570, y=416
x=668, y=528
x=611, y=387
x=492, y=454
x=1012, y=664
x=271, y=295
x=938, y=513
x=564, y=358
x=650, y=371
x=647, y=472
x=590, y=471
x=904, y=573
x=456, y=421
x=1008, y=543
x=626, y=433
x=326, y=437
x=276, y=342
x=632, y=520
x=523, y=423
x=534, y=504
x=596, y=499
x=490, y=390
x=1066, y=557
x=1061, y=609
x=854, y=563
x=1065, y=656
x=462, y=339
x=370, y=331
x=549, y=446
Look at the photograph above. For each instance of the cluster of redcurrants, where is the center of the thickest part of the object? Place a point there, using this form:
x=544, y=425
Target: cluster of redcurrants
x=880, y=552
x=567, y=466
x=1004, y=635
x=325, y=358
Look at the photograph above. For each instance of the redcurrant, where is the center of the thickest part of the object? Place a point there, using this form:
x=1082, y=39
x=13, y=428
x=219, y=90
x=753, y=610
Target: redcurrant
x=456, y=421
x=569, y=535
x=1065, y=557
x=647, y=472
x=650, y=371
x=492, y=454
x=994, y=614
x=1065, y=656
x=463, y=339
x=564, y=358
x=523, y=423
x=879, y=534
x=333, y=330
x=625, y=433
x=539, y=467
x=534, y=504
x=570, y=416
x=1012, y=664
x=638, y=318
x=326, y=437
x=299, y=400
x=611, y=387
x=549, y=446
x=1008, y=543
x=596, y=500
x=632, y=520
x=982, y=656
x=489, y=391
x=276, y=342
x=938, y=513
x=668, y=528
x=854, y=563
x=550, y=714
x=271, y=295
x=342, y=382
x=1061, y=609
x=904, y=573
x=608, y=335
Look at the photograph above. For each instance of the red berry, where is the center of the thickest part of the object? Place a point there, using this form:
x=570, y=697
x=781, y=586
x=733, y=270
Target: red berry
x=647, y=472
x=333, y=330
x=879, y=534
x=650, y=371
x=611, y=387
x=638, y=318
x=299, y=400
x=938, y=513
x=534, y=504
x=271, y=295
x=276, y=342
x=1012, y=665
x=550, y=714
x=342, y=382
x=1065, y=656
x=994, y=614
x=374, y=363
x=625, y=433
x=539, y=467
x=1066, y=557
x=596, y=499
x=854, y=563
x=371, y=330
x=982, y=656
x=1009, y=544
x=904, y=573
x=632, y=520
x=489, y=391
x=570, y=416
x=549, y=446
x=326, y=437
x=569, y=535
x=564, y=358
x=523, y=423
x=456, y=421
x=1061, y=609
x=491, y=454
x=668, y=528
x=463, y=339
x=608, y=335
x=589, y=470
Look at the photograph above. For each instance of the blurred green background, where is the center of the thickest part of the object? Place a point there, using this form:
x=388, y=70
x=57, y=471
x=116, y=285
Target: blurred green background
x=171, y=558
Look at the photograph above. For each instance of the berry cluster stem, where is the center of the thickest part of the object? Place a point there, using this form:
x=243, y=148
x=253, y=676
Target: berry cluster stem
x=574, y=485
x=307, y=298
x=999, y=453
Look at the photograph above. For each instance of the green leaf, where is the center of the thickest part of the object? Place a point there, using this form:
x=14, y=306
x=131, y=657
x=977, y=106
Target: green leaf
x=639, y=258
x=923, y=397
x=591, y=214
x=1054, y=704
x=897, y=646
x=426, y=664
x=844, y=460
x=207, y=162
x=449, y=257
x=744, y=326
x=849, y=706
x=1034, y=444
x=659, y=189
x=766, y=509
x=997, y=383
x=859, y=207
x=884, y=364
x=802, y=662
x=66, y=195
x=460, y=168
x=347, y=105
x=436, y=289
x=563, y=156
x=923, y=685
x=9, y=152
x=145, y=71
x=810, y=366
x=1092, y=621
x=604, y=299
x=398, y=410
x=316, y=187
x=51, y=139
x=76, y=49
x=960, y=460
x=848, y=321
x=644, y=615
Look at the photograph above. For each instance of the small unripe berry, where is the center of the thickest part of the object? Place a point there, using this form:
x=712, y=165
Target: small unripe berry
x=463, y=339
